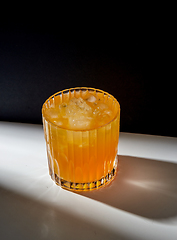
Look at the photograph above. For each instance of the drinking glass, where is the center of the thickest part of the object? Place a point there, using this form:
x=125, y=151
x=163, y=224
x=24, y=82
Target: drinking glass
x=81, y=159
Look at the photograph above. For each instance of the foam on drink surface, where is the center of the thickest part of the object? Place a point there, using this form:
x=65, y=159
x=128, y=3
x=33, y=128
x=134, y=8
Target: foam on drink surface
x=81, y=113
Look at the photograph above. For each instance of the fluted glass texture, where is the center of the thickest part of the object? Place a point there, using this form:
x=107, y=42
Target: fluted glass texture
x=81, y=159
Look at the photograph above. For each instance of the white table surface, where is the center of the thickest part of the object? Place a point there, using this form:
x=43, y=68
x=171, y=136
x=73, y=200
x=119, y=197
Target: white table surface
x=141, y=203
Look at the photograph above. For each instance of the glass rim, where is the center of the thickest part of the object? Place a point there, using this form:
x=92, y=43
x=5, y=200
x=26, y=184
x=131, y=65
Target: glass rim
x=81, y=88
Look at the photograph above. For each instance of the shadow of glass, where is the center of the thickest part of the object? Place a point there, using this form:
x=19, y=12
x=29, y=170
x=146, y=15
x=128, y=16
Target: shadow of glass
x=144, y=187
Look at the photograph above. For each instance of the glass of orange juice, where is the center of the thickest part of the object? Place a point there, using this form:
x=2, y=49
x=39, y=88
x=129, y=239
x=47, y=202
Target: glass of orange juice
x=81, y=128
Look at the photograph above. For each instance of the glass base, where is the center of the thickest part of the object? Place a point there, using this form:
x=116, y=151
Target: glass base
x=86, y=186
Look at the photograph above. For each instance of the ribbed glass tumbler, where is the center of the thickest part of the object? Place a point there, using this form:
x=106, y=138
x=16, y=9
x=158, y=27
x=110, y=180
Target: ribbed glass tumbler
x=81, y=159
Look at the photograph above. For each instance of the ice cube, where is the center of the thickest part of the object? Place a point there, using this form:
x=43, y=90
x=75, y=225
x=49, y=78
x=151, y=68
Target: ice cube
x=52, y=113
x=78, y=113
x=58, y=122
x=80, y=122
x=91, y=99
x=80, y=104
x=102, y=106
x=108, y=112
x=77, y=106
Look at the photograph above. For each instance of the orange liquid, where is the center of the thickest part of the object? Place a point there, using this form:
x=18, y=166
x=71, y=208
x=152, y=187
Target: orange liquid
x=81, y=155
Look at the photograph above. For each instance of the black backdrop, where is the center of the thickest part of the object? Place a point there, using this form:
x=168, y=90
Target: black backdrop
x=133, y=64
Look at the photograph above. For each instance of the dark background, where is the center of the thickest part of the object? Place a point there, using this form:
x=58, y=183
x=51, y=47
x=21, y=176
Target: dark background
x=131, y=60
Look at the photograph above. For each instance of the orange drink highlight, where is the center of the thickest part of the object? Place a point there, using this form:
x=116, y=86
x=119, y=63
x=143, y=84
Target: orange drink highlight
x=81, y=128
